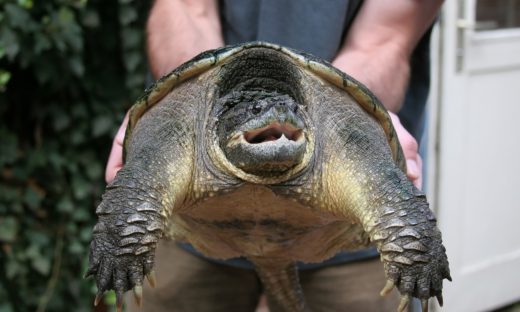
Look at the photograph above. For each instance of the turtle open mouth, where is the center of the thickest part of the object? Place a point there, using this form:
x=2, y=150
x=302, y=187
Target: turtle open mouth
x=273, y=132
x=267, y=150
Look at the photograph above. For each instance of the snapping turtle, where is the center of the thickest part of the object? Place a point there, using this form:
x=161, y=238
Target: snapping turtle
x=260, y=151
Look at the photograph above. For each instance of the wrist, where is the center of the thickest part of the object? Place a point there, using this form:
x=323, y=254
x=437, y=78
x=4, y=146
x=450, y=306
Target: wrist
x=179, y=30
x=385, y=71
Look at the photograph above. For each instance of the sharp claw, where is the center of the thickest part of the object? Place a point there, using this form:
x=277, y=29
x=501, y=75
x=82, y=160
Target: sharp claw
x=119, y=302
x=403, y=304
x=151, y=278
x=424, y=304
x=138, y=294
x=388, y=288
x=90, y=272
x=99, y=296
x=440, y=299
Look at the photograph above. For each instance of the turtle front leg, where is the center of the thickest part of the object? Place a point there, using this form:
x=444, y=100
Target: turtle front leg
x=406, y=235
x=398, y=220
x=139, y=205
x=124, y=239
x=134, y=214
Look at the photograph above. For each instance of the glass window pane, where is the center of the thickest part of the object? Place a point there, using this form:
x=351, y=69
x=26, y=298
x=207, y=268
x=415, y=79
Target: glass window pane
x=497, y=14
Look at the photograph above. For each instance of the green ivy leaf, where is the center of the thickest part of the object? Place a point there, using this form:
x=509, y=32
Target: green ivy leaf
x=94, y=170
x=42, y=265
x=76, y=66
x=39, y=239
x=61, y=120
x=110, y=298
x=32, y=198
x=6, y=307
x=18, y=17
x=27, y=4
x=41, y=43
x=127, y=15
x=80, y=187
x=13, y=268
x=91, y=19
x=9, y=144
x=9, y=43
x=102, y=125
x=8, y=229
x=77, y=136
x=85, y=234
x=132, y=38
x=65, y=205
x=5, y=76
x=76, y=248
x=80, y=215
x=132, y=60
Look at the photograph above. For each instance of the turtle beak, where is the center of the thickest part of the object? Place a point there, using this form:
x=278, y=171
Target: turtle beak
x=276, y=147
x=273, y=132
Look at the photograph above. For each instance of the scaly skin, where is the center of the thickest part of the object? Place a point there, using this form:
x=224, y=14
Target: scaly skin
x=137, y=205
x=124, y=239
x=282, y=284
x=364, y=183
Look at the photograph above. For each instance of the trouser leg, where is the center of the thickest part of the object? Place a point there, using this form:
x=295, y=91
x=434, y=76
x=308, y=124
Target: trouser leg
x=348, y=287
x=188, y=283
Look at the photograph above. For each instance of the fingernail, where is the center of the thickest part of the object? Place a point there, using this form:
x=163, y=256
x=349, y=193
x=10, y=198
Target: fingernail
x=413, y=169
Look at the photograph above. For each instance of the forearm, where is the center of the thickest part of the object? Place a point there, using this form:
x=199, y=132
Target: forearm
x=377, y=48
x=177, y=30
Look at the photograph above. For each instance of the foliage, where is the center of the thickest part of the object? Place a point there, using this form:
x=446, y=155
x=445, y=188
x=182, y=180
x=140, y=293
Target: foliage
x=69, y=69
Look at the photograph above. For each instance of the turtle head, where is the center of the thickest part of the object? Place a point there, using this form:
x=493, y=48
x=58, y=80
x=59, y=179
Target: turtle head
x=261, y=132
x=261, y=124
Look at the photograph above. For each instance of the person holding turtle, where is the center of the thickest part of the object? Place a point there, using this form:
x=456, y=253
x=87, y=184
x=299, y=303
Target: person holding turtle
x=383, y=44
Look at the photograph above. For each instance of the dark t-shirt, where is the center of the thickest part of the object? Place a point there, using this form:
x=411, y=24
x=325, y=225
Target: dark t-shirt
x=317, y=27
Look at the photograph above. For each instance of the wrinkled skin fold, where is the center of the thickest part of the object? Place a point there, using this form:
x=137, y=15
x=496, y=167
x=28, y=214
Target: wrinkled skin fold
x=261, y=152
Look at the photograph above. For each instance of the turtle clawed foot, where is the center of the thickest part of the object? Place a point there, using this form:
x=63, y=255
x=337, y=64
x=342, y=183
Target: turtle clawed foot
x=138, y=288
x=120, y=269
x=98, y=298
x=138, y=295
x=406, y=298
x=119, y=301
x=424, y=305
x=388, y=288
x=403, y=303
x=440, y=299
x=151, y=279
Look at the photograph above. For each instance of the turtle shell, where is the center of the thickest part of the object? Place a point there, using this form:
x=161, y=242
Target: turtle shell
x=206, y=60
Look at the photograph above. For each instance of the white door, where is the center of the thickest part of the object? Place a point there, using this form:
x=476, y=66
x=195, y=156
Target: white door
x=476, y=151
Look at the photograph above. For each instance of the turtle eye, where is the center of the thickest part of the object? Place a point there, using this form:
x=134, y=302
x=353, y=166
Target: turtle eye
x=256, y=108
x=231, y=103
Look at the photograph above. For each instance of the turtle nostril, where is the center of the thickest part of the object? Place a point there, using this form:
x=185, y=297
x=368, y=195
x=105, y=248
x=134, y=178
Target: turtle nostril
x=256, y=109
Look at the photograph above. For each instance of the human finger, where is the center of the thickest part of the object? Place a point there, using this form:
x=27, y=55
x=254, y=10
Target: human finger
x=410, y=150
x=115, y=159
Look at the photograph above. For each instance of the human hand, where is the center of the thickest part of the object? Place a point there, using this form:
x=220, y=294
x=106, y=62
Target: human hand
x=386, y=75
x=115, y=159
x=410, y=150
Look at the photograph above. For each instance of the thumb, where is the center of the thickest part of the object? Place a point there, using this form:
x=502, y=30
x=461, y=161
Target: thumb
x=410, y=151
x=115, y=159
